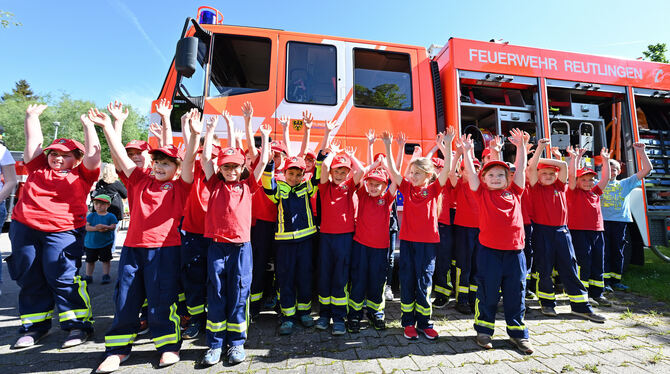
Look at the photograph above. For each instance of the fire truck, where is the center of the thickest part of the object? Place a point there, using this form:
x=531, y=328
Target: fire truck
x=477, y=87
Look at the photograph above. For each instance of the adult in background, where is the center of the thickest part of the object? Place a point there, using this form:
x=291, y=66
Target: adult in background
x=110, y=185
x=7, y=184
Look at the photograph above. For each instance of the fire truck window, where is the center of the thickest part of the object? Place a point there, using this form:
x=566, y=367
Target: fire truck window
x=194, y=86
x=311, y=73
x=382, y=80
x=240, y=65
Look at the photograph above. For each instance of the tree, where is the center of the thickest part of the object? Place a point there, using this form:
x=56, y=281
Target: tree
x=6, y=19
x=384, y=95
x=656, y=52
x=22, y=91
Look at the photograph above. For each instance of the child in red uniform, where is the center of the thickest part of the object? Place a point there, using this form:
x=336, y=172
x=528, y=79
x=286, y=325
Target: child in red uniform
x=418, y=234
x=149, y=263
x=501, y=264
x=585, y=221
x=229, y=257
x=47, y=232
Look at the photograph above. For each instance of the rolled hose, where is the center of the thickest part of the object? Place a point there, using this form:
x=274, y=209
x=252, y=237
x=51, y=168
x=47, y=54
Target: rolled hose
x=659, y=253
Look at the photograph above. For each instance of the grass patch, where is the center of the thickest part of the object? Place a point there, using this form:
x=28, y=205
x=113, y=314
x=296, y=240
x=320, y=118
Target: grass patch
x=650, y=279
x=626, y=315
x=655, y=359
x=592, y=368
x=567, y=368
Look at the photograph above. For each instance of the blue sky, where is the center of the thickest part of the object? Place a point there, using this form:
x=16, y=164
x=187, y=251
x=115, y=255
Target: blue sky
x=120, y=49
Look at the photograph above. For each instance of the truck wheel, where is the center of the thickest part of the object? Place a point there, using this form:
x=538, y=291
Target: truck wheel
x=633, y=251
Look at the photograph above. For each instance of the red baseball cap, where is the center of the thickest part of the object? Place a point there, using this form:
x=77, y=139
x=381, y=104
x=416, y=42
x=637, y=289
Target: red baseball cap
x=230, y=156
x=341, y=161
x=378, y=174
x=295, y=162
x=138, y=144
x=309, y=152
x=378, y=155
x=493, y=163
x=437, y=162
x=486, y=152
x=586, y=171
x=215, y=150
x=65, y=145
x=278, y=146
x=169, y=150
x=547, y=166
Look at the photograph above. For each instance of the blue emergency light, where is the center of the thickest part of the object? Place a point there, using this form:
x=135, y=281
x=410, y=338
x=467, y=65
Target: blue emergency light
x=209, y=16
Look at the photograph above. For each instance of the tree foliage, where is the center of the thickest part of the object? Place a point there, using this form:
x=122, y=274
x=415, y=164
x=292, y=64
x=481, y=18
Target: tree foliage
x=6, y=19
x=656, y=52
x=384, y=95
x=21, y=91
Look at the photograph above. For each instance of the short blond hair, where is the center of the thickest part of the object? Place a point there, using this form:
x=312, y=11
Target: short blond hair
x=109, y=175
x=425, y=165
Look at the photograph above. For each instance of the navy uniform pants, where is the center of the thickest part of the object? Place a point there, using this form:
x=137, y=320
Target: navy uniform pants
x=334, y=257
x=615, y=241
x=151, y=274
x=229, y=284
x=466, y=243
x=553, y=248
x=194, y=272
x=443, y=260
x=294, y=273
x=504, y=271
x=43, y=264
x=589, y=250
x=262, y=242
x=368, y=278
x=416, y=268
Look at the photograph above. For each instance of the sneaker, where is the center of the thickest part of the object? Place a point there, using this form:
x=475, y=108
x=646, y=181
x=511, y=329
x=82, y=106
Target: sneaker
x=603, y=301
x=379, y=323
x=184, y=321
x=236, y=354
x=193, y=329
x=270, y=303
x=388, y=293
x=111, y=363
x=484, y=340
x=322, y=323
x=429, y=333
x=591, y=316
x=354, y=326
x=608, y=289
x=548, y=311
x=286, y=328
x=306, y=320
x=29, y=339
x=620, y=287
x=339, y=328
x=87, y=278
x=593, y=302
x=144, y=327
x=463, y=308
x=211, y=357
x=522, y=345
x=168, y=358
x=76, y=337
x=440, y=301
x=530, y=295
x=106, y=279
x=410, y=333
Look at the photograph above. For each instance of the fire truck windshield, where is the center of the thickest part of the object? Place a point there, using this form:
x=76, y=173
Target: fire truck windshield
x=240, y=65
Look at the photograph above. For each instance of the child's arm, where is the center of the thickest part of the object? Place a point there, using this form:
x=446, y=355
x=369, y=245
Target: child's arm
x=229, y=126
x=561, y=165
x=91, y=160
x=206, y=157
x=191, y=147
x=444, y=143
x=370, y=135
x=470, y=173
x=157, y=131
x=91, y=228
x=238, y=139
x=269, y=183
x=575, y=157
x=519, y=139
x=605, y=171
x=33, y=132
x=283, y=121
x=396, y=178
x=646, y=163
x=332, y=150
x=358, y=167
x=453, y=176
x=400, y=140
x=164, y=109
x=307, y=119
x=116, y=110
x=532, y=164
x=325, y=141
x=265, y=152
x=248, y=112
x=431, y=151
x=125, y=164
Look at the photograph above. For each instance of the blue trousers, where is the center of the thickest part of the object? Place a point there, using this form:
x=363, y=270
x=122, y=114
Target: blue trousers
x=466, y=243
x=194, y=272
x=43, y=266
x=443, y=260
x=294, y=273
x=417, y=265
x=229, y=274
x=553, y=248
x=615, y=241
x=334, y=257
x=528, y=252
x=589, y=250
x=262, y=242
x=150, y=273
x=501, y=270
x=393, y=235
x=368, y=278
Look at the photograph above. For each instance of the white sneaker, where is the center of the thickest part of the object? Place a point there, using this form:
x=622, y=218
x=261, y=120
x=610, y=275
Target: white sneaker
x=388, y=293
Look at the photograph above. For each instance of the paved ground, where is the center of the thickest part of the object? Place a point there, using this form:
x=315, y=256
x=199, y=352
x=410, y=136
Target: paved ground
x=636, y=338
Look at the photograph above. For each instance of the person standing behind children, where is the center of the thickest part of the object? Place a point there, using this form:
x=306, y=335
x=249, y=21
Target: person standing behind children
x=100, y=227
x=419, y=236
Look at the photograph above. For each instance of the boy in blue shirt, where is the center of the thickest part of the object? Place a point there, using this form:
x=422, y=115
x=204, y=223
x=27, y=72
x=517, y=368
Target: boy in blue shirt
x=100, y=226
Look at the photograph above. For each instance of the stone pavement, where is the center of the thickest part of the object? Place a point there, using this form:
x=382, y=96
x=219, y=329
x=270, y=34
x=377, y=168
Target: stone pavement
x=635, y=339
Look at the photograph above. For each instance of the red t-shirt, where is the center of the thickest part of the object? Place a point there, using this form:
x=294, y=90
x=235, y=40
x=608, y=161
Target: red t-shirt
x=419, y=215
x=54, y=200
x=156, y=210
x=445, y=216
x=124, y=180
x=262, y=207
x=527, y=205
x=467, y=209
x=584, y=209
x=337, y=207
x=196, y=204
x=229, y=211
x=374, y=215
x=549, y=205
x=500, y=217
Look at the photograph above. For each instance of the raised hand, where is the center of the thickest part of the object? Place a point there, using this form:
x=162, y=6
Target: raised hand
x=439, y=139
x=284, y=120
x=86, y=121
x=117, y=111
x=185, y=118
x=156, y=129
x=418, y=152
x=226, y=117
x=350, y=151
x=266, y=129
x=449, y=135
x=606, y=154
x=195, y=119
x=570, y=151
x=516, y=138
x=466, y=141
x=331, y=125
x=543, y=142
x=401, y=139
x=307, y=119
x=370, y=135
x=247, y=110
x=196, y=126
x=99, y=118
x=164, y=108
x=35, y=109
x=556, y=152
x=334, y=147
x=639, y=146
x=387, y=138
x=581, y=151
x=211, y=123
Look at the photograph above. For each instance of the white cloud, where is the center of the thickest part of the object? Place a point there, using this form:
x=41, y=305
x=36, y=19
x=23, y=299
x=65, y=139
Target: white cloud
x=133, y=19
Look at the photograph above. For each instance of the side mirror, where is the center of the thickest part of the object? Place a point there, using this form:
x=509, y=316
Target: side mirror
x=186, y=56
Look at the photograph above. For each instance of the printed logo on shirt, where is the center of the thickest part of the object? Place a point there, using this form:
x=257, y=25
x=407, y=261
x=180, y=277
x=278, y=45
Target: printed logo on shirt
x=167, y=186
x=506, y=194
x=344, y=187
x=237, y=187
x=64, y=171
x=381, y=202
x=557, y=193
x=424, y=192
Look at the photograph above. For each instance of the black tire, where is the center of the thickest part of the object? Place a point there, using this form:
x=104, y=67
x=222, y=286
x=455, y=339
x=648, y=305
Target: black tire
x=633, y=251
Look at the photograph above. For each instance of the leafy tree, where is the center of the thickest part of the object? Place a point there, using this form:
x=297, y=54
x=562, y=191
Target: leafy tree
x=656, y=52
x=22, y=91
x=6, y=20
x=385, y=95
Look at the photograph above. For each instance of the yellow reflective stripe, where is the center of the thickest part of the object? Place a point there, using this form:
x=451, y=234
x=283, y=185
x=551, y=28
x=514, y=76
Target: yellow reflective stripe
x=453, y=262
x=146, y=303
x=280, y=219
x=458, y=281
x=462, y=289
x=170, y=338
x=237, y=327
x=585, y=283
x=548, y=296
x=73, y=314
x=473, y=288
x=324, y=300
x=578, y=298
x=442, y=290
x=607, y=275
x=288, y=311
x=377, y=307
x=422, y=310
x=356, y=306
x=182, y=297
x=307, y=306
x=615, y=276
x=519, y=328
x=554, y=272
x=407, y=308
x=527, y=276
x=256, y=296
x=196, y=309
x=119, y=340
x=480, y=322
x=29, y=319
x=339, y=301
x=83, y=292
x=295, y=234
x=597, y=283
x=308, y=209
x=216, y=326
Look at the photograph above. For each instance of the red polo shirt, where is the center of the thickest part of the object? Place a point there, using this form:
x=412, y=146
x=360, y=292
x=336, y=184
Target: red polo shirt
x=500, y=217
x=584, y=209
x=467, y=208
x=549, y=204
x=229, y=211
x=374, y=215
x=419, y=222
x=196, y=204
x=337, y=207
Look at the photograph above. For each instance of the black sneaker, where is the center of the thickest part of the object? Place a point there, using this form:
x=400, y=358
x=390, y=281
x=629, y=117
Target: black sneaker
x=463, y=308
x=603, y=301
x=440, y=301
x=192, y=330
x=379, y=323
x=354, y=326
x=106, y=279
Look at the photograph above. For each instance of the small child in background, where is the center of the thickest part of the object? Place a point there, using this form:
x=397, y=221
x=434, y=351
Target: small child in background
x=100, y=228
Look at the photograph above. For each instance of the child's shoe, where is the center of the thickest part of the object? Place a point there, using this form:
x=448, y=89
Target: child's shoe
x=602, y=301
x=591, y=316
x=87, y=278
x=106, y=279
x=286, y=328
x=354, y=326
x=429, y=333
x=168, y=358
x=484, y=341
x=440, y=301
x=530, y=295
x=236, y=354
x=306, y=320
x=378, y=323
x=548, y=311
x=523, y=345
x=184, y=321
x=193, y=329
x=111, y=363
x=76, y=337
x=338, y=328
x=144, y=327
x=322, y=323
x=620, y=287
x=410, y=333
x=388, y=293
x=463, y=308
x=212, y=357
x=29, y=339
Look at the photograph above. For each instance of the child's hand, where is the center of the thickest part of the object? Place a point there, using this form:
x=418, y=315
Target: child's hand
x=466, y=142
x=164, y=108
x=239, y=134
x=496, y=143
x=449, y=135
x=99, y=118
x=266, y=130
x=371, y=136
x=196, y=127
x=247, y=110
x=35, y=109
x=226, y=117
x=211, y=123
x=401, y=139
x=569, y=150
x=350, y=151
x=543, y=142
x=639, y=147
x=196, y=121
x=439, y=140
x=116, y=110
x=556, y=153
x=516, y=138
x=418, y=152
x=185, y=118
x=156, y=129
x=331, y=125
x=606, y=154
x=387, y=138
x=284, y=120
x=334, y=147
x=307, y=119
x=86, y=121
x=581, y=151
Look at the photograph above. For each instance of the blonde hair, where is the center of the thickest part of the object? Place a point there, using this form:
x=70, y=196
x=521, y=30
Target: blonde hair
x=425, y=165
x=109, y=175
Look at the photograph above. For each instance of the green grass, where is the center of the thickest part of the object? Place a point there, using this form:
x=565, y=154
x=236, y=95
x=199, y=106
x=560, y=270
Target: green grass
x=650, y=279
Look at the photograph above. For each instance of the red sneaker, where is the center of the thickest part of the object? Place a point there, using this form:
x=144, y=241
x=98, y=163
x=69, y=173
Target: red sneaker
x=183, y=321
x=429, y=333
x=410, y=333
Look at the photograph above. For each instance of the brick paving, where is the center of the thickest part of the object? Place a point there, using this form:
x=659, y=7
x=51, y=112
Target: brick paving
x=635, y=339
